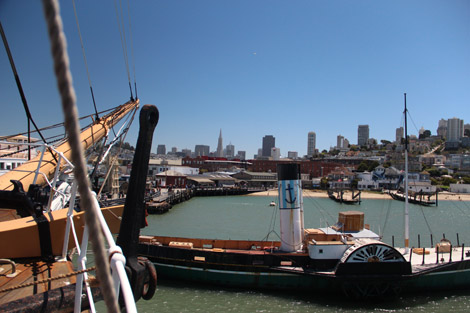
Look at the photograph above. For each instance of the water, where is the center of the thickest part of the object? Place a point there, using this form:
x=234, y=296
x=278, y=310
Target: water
x=247, y=217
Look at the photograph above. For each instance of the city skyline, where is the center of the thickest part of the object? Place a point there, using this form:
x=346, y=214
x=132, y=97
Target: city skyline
x=457, y=129
x=250, y=68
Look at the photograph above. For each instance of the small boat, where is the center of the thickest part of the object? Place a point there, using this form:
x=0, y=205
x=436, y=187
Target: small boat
x=272, y=203
x=345, y=196
x=415, y=198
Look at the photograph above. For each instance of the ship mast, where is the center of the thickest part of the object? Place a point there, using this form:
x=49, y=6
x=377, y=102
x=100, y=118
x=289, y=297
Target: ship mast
x=407, y=218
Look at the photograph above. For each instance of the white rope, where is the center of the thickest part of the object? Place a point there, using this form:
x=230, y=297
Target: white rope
x=67, y=93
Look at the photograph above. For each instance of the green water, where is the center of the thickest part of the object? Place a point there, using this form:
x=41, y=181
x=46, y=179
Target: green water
x=247, y=217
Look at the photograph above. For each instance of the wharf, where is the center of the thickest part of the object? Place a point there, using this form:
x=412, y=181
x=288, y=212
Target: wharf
x=165, y=199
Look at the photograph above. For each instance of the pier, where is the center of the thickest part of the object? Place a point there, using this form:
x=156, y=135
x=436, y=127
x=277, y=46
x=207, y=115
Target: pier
x=165, y=199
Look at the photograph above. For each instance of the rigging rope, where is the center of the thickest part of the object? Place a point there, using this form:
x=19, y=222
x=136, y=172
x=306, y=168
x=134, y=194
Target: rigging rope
x=67, y=93
x=122, y=34
x=84, y=58
x=20, y=89
x=132, y=47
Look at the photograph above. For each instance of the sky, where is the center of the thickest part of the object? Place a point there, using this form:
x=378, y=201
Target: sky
x=249, y=68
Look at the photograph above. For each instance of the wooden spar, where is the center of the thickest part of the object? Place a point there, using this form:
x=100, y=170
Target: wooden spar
x=26, y=172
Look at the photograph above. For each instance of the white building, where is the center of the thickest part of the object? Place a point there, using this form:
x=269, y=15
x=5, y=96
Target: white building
x=276, y=153
x=460, y=188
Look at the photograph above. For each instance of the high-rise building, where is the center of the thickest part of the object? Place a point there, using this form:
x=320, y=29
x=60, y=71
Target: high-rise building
x=311, y=142
x=442, y=128
x=292, y=155
x=454, y=129
x=174, y=150
x=241, y=155
x=186, y=152
x=399, y=134
x=339, y=142
x=466, y=129
x=269, y=142
x=201, y=150
x=220, y=148
x=362, y=135
x=161, y=149
x=230, y=151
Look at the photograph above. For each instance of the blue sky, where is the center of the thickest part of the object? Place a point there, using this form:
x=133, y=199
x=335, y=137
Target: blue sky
x=251, y=68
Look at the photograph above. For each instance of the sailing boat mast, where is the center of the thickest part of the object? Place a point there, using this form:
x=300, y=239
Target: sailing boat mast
x=407, y=219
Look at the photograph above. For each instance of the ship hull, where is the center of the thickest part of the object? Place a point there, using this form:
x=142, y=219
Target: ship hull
x=263, y=269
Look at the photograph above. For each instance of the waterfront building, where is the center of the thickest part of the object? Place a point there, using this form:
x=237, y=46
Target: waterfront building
x=220, y=149
x=442, y=128
x=340, y=177
x=275, y=153
x=269, y=142
x=257, y=179
x=201, y=150
x=312, y=168
x=161, y=165
x=362, y=135
x=14, y=152
x=230, y=151
x=311, y=143
x=399, y=135
x=213, y=164
x=454, y=129
x=161, y=149
x=171, y=178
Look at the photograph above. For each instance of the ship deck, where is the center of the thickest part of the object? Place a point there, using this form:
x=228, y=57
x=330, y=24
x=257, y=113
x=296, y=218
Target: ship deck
x=431, y=258
x=33, y=277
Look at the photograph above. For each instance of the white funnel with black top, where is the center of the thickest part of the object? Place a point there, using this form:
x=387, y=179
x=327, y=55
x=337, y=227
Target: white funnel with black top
x=290, y=207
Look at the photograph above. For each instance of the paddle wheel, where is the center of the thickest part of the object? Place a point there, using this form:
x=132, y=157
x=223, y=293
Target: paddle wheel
x=371, y=269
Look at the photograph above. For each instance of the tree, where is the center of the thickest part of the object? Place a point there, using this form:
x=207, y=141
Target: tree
x=446, y=181
x=127, y=146
x=373, y=165
x=362, y=167
x=434, y=172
